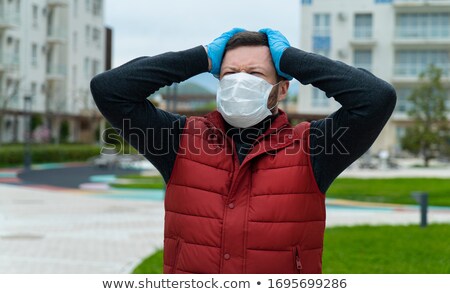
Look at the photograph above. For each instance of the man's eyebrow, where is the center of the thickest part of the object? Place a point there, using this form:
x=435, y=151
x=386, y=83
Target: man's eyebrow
x=252, y=67
x=230, y=67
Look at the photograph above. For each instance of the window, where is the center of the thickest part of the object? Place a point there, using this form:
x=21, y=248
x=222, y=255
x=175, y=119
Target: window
x=88, y=35
x=87, y=66
x=403, y=105
x=96, y=37
x=88, y=5
x=363, y=59
x=412, y=62
x=423, y=25
x=33, y=90
x=12, y=88
x=321, y=32
x=74, y=78
x=97, y=7
x=35, y=16
x=34, y=55
x=75, y=8
x=95, y=67
x=321, y=24
x=319, y=98
x=75, y=42
x=16, y=52
x=363, y=26
x=18, y=7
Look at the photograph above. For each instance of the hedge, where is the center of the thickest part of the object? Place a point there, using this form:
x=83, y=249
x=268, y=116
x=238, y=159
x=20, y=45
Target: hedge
x=11, y=155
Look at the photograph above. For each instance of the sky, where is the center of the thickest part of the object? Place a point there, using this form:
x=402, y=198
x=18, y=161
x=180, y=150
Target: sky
x=151, y=27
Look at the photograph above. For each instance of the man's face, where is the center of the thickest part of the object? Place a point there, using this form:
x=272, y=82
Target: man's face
x=257, y=61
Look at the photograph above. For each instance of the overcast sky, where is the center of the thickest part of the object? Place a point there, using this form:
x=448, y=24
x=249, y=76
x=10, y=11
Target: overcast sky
x=150, y=27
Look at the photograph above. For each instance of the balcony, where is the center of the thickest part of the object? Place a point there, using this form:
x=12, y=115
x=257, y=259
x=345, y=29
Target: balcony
x=400, y=3
x=9, y=20
x=405, y=74
x=9, y=62
x=56, y=35
x=423, y=32
x=53, y=3
x=56, y=72
x=362, y=43
x=421, y=5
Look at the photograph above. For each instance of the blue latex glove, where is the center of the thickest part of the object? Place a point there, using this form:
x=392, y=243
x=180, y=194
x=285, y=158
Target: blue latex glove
x=217, y=47
x=277, y=44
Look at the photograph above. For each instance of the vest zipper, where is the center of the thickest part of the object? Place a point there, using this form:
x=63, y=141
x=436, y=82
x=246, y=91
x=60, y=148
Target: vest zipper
x=297, y=261
x=177, y=254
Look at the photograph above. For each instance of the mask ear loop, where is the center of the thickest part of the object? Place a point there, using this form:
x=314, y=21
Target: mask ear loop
x=277, y=99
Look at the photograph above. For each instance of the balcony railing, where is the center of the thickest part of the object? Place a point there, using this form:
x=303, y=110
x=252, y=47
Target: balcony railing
x=58, y=2
x=56, y=35
x=56, y=71
x=363, y=33
x=9, y=62
x=437, y=32
x=9, y=19
x=421, y=2
x=413, y=70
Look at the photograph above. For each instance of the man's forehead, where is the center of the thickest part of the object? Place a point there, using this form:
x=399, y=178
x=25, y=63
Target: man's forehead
x=248, y=56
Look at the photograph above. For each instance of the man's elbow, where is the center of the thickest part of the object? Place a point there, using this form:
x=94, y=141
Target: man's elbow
x=389, y=97
x=97, y=86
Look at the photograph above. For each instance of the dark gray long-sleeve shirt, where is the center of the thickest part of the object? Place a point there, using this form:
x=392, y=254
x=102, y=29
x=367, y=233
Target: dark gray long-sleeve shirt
x=336, y=141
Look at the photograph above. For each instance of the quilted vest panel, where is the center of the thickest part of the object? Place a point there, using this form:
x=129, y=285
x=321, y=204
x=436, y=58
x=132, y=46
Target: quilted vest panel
x=265, y=215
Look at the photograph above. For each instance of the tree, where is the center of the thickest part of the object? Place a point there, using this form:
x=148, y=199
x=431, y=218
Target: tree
x=429, y=134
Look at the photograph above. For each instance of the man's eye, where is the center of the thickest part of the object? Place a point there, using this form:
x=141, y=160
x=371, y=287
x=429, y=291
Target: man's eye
x=255, y=73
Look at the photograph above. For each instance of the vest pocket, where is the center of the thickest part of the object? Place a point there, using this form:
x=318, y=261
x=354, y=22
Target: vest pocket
x=296, y=253
x=178, y=247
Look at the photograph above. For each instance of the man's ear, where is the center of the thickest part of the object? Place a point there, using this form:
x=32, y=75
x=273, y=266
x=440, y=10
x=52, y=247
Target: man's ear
x=283, y=90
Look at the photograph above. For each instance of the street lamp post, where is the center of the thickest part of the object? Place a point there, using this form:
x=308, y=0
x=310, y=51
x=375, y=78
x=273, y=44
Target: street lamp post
x=27, y=149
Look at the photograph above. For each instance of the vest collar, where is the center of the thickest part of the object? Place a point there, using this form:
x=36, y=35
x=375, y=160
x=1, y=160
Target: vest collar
x=217, y=120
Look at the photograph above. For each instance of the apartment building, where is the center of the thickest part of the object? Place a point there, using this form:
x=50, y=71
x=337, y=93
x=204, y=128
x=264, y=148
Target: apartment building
x=49, y=51
x=394, y=39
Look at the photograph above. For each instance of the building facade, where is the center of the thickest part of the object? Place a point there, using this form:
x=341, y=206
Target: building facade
x=49, y=51
x=394, y=39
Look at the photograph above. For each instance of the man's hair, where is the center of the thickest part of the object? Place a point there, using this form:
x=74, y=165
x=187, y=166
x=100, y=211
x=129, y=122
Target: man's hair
x=248, y=38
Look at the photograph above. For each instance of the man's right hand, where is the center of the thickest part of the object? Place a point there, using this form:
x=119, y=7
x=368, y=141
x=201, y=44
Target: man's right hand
x=216, y=50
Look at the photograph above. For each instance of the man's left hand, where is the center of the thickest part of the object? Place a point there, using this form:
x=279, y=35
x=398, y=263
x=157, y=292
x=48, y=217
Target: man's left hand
x=277, y=44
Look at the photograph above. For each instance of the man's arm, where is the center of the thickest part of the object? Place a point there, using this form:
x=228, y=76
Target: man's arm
x=121, y=96
x=367, y=103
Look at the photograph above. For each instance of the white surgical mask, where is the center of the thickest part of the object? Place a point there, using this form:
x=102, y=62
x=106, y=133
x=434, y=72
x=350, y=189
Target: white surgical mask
x=242, y=99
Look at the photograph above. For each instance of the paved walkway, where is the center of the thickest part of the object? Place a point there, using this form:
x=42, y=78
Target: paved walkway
x=70, y=231
x=75, y=231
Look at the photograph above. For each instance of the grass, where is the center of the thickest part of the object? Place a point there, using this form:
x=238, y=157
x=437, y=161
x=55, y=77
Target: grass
x=393, y=190
x=151, y=265
x=387, y=250
x=140, y=182
x=370, y=250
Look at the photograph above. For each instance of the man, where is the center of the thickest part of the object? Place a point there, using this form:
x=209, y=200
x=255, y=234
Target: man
x=245, y=189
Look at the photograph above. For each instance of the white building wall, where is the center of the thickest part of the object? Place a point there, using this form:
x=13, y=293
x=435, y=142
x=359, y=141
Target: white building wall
x=55, y=76
x=383, y=45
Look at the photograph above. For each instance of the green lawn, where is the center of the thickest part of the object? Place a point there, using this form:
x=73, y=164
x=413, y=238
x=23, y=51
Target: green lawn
x=371, y=249
x=140, y=182
x=397, y=190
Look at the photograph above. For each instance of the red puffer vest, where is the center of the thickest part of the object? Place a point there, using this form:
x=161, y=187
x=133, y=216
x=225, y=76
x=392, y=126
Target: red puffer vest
x=266, y=215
